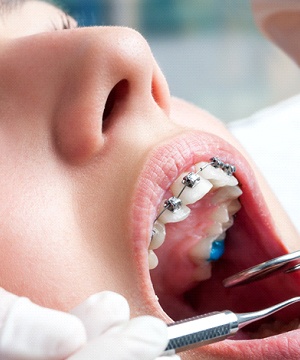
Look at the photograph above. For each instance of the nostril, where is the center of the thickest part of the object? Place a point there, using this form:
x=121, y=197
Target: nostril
x=117, y=94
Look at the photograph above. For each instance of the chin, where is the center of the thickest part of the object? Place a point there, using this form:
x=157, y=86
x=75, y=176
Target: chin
x=186, y=282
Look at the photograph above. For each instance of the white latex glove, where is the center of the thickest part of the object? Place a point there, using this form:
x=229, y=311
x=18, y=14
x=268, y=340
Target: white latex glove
x=31, y=332
x=113, y=336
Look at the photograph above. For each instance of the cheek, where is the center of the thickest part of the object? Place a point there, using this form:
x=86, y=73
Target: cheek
x=186, y=114
x=190, y=116
x=37, y=229
x=51, y=254
x=44, y=258
x=33, y=240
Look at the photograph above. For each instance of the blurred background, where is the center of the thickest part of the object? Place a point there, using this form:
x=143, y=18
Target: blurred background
x=210, y=51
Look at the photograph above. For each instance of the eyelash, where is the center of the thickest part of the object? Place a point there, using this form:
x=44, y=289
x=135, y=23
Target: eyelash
x=66, y=21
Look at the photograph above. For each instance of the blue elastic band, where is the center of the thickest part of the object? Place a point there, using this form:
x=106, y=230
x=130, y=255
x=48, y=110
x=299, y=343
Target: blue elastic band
x=217, y=250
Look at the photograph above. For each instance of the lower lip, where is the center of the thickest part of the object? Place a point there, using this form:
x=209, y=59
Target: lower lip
x=279, y=347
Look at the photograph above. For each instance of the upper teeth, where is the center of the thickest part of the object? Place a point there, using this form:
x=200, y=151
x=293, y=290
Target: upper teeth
x=191, y=194
x=227, y=192
x=158, y=235
x=216, y=176
x=169, y=216
x=187, y=189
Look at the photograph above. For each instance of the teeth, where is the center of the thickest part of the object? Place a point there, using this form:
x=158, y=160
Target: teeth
x=224, y=202
x=222, y=236
x=191, y=195
x=216, y=176
x=221, y=214
x=201, y=251
x=226, y=193
x=215, y=230
x=169, y=216
x=228, y=224
x=212, y=247
x=158, y=235
x=233, y=207
x=152, y=260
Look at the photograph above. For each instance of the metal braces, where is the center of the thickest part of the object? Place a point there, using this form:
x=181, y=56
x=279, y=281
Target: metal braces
x=191, y=180
x=173, y=204
x=227, y=168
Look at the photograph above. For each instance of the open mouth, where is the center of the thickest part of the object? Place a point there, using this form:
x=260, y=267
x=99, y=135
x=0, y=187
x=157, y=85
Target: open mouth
x=190, y=269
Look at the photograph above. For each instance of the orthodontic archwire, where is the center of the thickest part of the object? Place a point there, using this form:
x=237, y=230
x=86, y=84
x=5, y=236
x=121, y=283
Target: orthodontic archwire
x=192, y=179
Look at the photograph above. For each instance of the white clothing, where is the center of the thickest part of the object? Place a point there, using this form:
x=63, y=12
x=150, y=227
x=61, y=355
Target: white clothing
x=272, y=138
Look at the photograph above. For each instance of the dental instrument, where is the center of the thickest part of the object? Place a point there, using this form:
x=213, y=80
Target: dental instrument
x=260, y=271
x=213, y=327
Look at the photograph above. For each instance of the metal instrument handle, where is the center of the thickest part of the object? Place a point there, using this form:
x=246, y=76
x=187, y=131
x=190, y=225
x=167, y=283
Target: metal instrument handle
x=201, y=330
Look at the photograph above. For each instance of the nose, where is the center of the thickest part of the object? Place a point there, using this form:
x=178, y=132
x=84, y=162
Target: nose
x=106, y=72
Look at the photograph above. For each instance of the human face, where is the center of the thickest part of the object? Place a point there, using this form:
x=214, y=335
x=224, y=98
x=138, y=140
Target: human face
x=91, y=142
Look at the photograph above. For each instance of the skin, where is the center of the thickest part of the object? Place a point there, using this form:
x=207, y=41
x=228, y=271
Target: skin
x=69, y=172
x=280, y=23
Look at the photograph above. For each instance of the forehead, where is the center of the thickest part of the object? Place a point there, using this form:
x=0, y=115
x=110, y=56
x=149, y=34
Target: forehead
x=8, y=5
x=20, y=18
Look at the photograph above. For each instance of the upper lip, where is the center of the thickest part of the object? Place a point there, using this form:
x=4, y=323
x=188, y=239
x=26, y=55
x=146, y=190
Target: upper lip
x=256, y=241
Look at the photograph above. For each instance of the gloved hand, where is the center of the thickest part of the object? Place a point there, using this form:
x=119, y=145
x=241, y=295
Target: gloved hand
x=112, y=336
x=31, y=332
